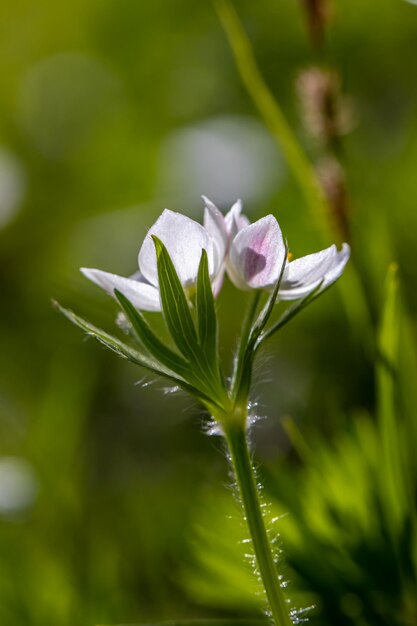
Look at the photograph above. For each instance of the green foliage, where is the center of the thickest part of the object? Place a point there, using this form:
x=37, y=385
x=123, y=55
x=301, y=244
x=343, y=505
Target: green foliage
x=219, y=572
x=355, y=504
x=199, y=370
x=178, y=317
x=393, y=470
x=359, y=502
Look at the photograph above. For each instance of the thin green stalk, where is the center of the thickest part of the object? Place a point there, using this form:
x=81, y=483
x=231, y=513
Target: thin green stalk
x=270, y=110
x=351, y=289
x=236, y=438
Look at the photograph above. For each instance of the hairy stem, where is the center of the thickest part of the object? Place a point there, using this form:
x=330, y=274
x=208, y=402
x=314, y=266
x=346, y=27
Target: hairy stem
x=236, y=437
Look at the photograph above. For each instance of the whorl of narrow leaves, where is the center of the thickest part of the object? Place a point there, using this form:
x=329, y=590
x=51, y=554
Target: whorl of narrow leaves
x=199, y=348
x=196, y=368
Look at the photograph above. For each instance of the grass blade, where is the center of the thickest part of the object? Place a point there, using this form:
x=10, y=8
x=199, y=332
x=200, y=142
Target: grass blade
x=392, y=471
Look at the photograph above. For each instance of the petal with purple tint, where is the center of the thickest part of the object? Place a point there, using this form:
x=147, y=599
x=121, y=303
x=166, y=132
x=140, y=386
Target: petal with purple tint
x=257, y=254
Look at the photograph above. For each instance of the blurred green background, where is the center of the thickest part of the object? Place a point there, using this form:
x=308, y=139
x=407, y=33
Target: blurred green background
x=113, y=506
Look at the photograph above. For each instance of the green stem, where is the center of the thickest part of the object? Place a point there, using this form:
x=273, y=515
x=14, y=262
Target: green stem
x=270, y=110
x=351, y=289
x=238, y=446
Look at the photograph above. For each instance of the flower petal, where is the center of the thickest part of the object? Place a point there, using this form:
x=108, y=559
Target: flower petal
x=234, y=219
x=257, y=254
x=305, y=274
x=215, y=224
x=140, y=293
x=217, y=283
x=184, y=239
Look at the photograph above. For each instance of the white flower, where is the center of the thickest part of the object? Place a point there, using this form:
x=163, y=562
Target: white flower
x=184, y=239
x=224, y=226
x=223, y=229
x=255, y=254
x=251, y=254
x=303, y=275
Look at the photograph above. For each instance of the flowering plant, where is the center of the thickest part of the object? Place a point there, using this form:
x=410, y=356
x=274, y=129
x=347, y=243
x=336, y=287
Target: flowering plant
x=182, y=265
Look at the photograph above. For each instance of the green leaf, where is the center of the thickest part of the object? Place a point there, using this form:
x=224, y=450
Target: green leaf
x=127, y=352
x=174, y=304
x=150, y=341
x=206, y=313
x=242, y=372
x=269, y=306
x=181, y=326
x=290, y=313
